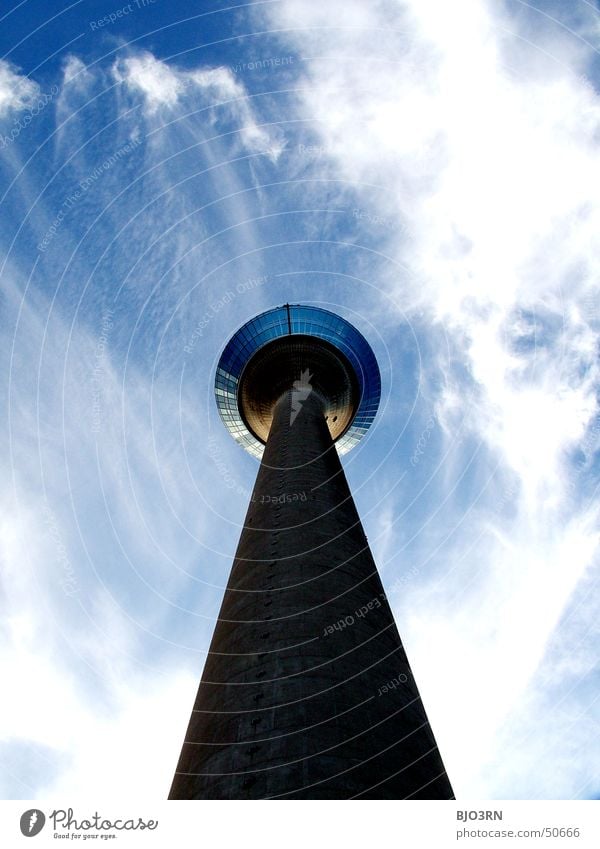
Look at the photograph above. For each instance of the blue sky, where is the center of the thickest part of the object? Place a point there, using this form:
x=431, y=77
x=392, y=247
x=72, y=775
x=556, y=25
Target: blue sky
x=429, y=175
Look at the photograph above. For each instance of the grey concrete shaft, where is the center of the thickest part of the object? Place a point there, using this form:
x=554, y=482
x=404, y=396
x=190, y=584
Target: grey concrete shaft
x=306, y=691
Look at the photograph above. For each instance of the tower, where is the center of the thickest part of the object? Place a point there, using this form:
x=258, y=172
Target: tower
x=307, y=692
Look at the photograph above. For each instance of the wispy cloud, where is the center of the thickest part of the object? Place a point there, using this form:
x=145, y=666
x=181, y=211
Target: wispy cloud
x=165, y=86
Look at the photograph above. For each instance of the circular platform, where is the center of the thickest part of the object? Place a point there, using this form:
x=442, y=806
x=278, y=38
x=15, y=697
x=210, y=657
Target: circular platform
x=297, y=345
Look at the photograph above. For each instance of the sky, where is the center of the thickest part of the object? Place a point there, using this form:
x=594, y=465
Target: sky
x=427, y=170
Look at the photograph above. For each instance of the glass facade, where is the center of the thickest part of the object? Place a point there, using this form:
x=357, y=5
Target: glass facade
x=296, y=319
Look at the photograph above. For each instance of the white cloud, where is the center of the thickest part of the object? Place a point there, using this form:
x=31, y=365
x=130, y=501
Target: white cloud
x=477, y=647
x=86, y=692
x=17, y=92
x=384, y=537
x=75, y=72
x=90, y=750
x=160, y=85
x=165, y=86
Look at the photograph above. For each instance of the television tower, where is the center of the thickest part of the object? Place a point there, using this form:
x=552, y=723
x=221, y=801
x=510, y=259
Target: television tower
x=307, y=692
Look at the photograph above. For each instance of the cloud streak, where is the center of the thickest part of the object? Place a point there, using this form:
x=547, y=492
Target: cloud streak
x=164, y=87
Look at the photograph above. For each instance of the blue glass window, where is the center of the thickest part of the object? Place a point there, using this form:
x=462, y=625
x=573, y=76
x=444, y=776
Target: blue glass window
x=307, y=320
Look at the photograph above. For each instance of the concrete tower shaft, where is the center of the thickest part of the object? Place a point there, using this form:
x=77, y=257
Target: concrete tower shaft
x=306, y=691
